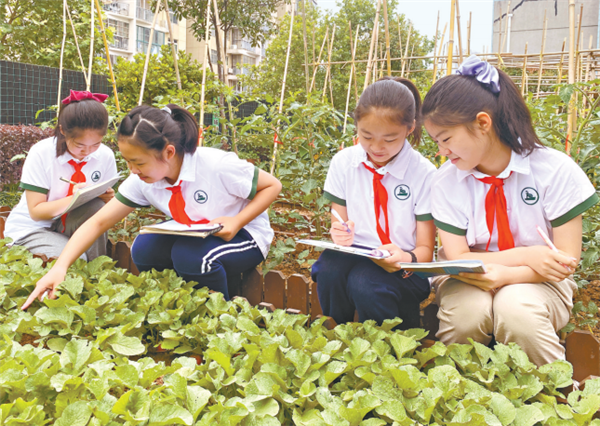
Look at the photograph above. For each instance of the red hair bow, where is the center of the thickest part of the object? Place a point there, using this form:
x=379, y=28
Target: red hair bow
x=75, y=96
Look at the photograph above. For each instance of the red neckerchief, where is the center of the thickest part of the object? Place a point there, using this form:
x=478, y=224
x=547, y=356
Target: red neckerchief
x=381, y=203
x=177, y=207
x=77, y=177
x=495, y=207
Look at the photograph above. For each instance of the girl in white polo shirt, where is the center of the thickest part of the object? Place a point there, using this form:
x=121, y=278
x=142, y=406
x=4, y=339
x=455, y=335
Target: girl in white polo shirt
x=75, y=153
x=191, y=185
x=498, y=185
x=380, y=187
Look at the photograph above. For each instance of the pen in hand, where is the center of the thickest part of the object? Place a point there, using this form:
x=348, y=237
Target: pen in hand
x=550, y=244
x=338, y=217
x=68, y=181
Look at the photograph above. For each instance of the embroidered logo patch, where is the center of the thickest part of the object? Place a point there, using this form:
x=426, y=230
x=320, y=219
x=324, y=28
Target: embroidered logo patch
x=402, y=192
x=200, y=197
x=530, y=196
x=96, y=176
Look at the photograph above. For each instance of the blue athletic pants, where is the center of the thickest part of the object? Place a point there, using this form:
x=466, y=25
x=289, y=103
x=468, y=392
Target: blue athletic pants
x=208, y=261
x=346, y=282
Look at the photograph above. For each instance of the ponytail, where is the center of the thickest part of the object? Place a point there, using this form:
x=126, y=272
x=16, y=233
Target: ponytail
x=155, y=128
x=77, y=116
x=456, y=100
x=399, y=98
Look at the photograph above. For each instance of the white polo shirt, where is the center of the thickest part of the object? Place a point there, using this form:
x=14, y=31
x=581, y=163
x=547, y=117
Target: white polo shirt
x=546, y=188
x=407, y=181
x=42, y=172
x=214, y=183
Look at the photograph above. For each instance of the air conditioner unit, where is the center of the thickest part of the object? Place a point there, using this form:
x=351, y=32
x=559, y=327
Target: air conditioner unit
x=234, y=46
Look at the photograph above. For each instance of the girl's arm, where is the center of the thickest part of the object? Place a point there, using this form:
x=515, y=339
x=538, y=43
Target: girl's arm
x=423, y=250
x=522, y=264
x=339, y=233
x=79, y=242
x=42, y=209
x=267, y=190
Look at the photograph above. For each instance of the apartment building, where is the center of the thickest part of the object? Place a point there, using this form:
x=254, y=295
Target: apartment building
x=131, y=21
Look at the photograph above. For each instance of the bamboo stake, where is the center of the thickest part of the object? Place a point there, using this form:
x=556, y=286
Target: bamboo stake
x=435, y=40
x=524, y=75
x=222, y=44
x=439, y=55
x=560, y=64
x=451, y=38
x=469, y=35
x=313, y=49
x=377, y=55
x=77, y=44
x=91, y=60
x=306, y=45
x=148, y=53
x=387, y=39
x=541, y=68
x=204, y=62
x=460, y=51
x=110, y=68
x=500, y=29
x=406, y=48
x=173, y=51
x=325, y=39
x=572, y=111
x=504, y=37
x=412, y=52
x=353, y=53
x=372, y=46
x=352, y=75
x=579, y=76
x=588, y=66
x=330, y=49
x=285, y=69
x=62, y=52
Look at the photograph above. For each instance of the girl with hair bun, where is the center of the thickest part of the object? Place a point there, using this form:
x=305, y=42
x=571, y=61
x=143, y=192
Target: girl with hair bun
x=499, y=185
x=191, y=185
x=380, y=188
x=76, y=154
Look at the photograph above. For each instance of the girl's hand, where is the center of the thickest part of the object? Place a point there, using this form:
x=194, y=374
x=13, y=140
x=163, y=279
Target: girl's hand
x=340, y=235
x=397, y=255
x=48, y=282
x=78, y=186
x=554, y=266
x=108, y=195
x=231, y=227
x=495, y=277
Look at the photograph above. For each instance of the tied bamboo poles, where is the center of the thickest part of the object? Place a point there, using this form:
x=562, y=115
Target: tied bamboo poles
x=435, y=40
x=353, y=49
x=328, y=73
x=77, y=45
x=505, y=35
x=62, y=52
x=88, y=86
x=541, y=68
x=306, y=46
x=560, y=64
x=524, y=76
x=406, y=49
x=110, y=69
x=460, y=48
x=204, y=62
x=148, y=52
x=572, y=120
x=353, y=53
x=373, y=35
x=387, y=39
x=173, y=51
x=316, y=64
x=439, y=54
x=469, y=35
x=285, y=69
x=451, y=38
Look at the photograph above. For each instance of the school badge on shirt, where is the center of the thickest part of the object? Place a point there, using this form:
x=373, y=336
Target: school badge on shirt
x=402, y=192
x=200, y=197
x=96, y=176
x=530, y=196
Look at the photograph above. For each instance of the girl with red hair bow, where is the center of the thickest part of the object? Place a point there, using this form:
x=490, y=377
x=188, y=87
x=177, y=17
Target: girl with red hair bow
x=75, y=154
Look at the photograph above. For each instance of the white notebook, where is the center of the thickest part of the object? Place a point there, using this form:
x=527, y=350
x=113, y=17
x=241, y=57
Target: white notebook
x=171, y=227
x=451, y=267
x=360, y=250
x=88, y=193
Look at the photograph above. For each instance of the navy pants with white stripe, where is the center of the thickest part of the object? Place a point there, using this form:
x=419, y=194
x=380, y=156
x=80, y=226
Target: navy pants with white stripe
x=346, y=282
x=208, y=261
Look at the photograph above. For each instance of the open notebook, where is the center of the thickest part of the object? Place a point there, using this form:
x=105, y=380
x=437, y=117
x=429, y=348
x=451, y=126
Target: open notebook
x=174, y=228
x=88, y=193
x=452, y=267
x=360, y=250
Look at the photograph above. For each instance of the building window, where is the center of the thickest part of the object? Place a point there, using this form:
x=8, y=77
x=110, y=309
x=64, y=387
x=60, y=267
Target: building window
x=213, y=56
x=121, y=33
x=143, y=38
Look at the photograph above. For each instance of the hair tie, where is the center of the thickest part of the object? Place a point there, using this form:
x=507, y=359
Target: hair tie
x=166, y=109
x=484, y=72
x=76, y=96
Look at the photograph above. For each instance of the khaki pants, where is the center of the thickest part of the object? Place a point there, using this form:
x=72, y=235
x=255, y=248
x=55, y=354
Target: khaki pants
x=527, y=314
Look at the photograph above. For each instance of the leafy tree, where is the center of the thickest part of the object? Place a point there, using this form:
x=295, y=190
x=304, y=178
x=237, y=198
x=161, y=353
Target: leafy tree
x=254, y=18
x=31, y=31
x=266, y=78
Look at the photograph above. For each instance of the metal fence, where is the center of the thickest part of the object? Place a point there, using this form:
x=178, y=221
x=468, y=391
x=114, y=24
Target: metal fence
x=26, y=89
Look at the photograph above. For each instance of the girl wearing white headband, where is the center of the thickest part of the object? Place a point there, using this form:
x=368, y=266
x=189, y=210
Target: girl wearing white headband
x=498, y=185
